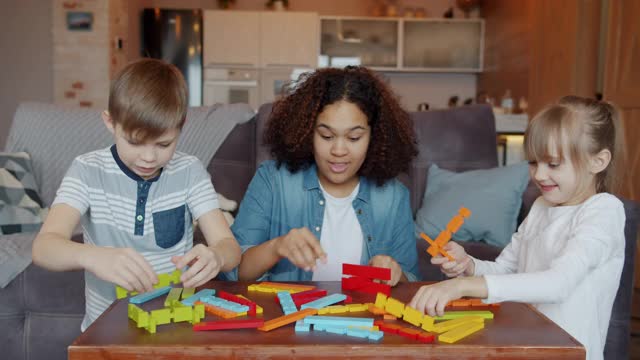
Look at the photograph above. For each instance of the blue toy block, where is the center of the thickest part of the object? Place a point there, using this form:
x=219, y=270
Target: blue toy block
x=197, y=296
x=376, y=335
x=358, y=333
x=288, y=306
x=324, y=301
x=339, y=321
x=142, y=298
x=302, y=327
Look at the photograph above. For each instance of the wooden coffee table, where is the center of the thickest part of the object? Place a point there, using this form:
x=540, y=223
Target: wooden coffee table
x=517, y=331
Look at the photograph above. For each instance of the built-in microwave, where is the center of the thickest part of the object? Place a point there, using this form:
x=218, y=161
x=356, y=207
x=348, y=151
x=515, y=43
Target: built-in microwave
x=230, y=86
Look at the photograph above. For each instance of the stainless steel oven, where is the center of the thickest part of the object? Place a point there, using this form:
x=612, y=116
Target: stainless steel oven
x=230, y=86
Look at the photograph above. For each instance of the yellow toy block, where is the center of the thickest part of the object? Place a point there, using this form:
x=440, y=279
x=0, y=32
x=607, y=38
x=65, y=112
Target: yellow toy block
x=412, y=316
x=173, y=297
x=394, y=307
x=375, y=310
x=460, y=332
x=381, y=300
x=448, y=315
x=323, y=311
x=445, y=326
x=357, y=307
x=427, y=322
x=337, y=309
x=252, y=287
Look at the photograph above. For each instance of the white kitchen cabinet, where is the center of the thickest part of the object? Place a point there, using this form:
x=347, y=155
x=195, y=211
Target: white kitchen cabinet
x=261, y=39
x=290, y=39
x=231, y=38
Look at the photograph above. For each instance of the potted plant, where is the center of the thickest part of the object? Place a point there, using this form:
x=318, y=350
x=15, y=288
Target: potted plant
x=278, y=5
x=225, y=4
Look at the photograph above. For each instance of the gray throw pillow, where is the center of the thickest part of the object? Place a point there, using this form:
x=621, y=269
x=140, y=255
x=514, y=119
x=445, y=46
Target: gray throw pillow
x=20, y=204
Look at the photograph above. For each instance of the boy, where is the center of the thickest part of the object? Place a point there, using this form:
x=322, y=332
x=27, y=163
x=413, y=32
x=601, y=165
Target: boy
x=137, y=199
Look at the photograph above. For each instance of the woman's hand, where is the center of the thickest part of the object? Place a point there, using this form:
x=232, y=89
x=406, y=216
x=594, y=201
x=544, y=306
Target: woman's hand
x=387, y=262
x=301, y=247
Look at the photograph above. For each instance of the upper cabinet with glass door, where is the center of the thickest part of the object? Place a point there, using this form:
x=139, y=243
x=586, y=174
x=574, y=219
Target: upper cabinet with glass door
x=443, y=45
x=399, y=44
x=370, y=42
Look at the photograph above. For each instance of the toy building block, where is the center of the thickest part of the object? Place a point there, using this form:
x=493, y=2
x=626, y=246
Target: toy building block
x=365, y=285
x=369, y=272
x=387, y=327
x=225, y=304
x=287, y=319
x=302, y=327
x=142, y=298
x=357, y=307
x=394, y=307
x=122, y=293
x=324, y=301
x=375, y=310
x=173, y=297
x=259, y=309
x=309, y=293
x=448, y=315
x=293, y=288
x=139, y=316
x=197, y=296
x=187, y=292
x=445, y=235
x=412, y=316
x=214, y=310
x=445, y=326
x=388, y=317
x=427, y=322
x=288, y=307
x=381, y=300
x=409, y=333
x=460, y=332
x=240, y=300
x=338, y=321
x=162, y=316
x=169, y=278
x=229, y=324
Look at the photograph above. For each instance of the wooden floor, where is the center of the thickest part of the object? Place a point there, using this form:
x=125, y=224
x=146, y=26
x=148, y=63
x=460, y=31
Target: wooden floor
x=635, y=326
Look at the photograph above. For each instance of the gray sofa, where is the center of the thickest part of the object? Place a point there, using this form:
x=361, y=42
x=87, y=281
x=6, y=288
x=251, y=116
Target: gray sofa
x=44, y=309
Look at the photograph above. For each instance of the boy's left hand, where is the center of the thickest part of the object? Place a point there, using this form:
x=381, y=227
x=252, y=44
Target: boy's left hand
x=387, y=262
x=204, y=264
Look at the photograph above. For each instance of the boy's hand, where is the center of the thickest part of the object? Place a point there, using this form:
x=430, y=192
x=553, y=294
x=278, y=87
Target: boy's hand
x=387, y=262
x=204, y=264
x=431, y=299
x=122, y=266
x=301, y=247
x=462, y=265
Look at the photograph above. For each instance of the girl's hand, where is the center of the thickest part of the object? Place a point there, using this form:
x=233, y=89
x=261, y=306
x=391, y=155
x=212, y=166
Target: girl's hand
x=388, y=262
x=122, y=266
x=301, y=247
x=431, y=299
x=462, y=264
x=204, y=264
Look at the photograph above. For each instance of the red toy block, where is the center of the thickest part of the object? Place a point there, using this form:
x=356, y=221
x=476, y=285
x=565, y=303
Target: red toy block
x=236, y=299
x=356, y=283
x=409, y=333
x=370, y=272
x=229, y=324
x=426, y=337
x=308, y=293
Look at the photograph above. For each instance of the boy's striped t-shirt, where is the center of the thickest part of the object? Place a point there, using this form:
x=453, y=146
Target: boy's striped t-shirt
x=120, y=209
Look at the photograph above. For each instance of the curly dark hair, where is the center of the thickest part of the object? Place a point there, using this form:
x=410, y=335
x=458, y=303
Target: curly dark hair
x=290, y=128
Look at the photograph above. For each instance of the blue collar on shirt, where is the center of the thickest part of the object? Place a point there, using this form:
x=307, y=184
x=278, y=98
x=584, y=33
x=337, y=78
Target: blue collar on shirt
x=312, y=182
x=128, y=171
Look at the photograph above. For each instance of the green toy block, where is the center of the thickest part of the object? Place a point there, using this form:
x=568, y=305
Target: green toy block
x=169, y=278
x=174, y=296
x=181, y=314
x=152, y=325
x=162, y=316
x=139, y=316
x=187, y=292
x=448, y=315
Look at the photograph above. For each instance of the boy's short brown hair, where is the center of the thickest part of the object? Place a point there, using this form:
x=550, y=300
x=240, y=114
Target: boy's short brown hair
x=147, y=98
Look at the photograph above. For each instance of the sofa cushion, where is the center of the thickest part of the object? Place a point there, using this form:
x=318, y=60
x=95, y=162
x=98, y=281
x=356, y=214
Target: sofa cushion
x=494, y=197
x=20, y=204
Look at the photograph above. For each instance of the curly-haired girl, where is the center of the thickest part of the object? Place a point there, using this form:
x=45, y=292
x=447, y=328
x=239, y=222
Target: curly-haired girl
x=338, y=140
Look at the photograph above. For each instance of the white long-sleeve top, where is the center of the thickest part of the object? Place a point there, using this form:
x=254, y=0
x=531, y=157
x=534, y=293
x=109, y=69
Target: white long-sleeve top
x=566, y=261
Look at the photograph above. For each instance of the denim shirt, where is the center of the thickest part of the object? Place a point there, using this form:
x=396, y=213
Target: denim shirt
x=278, y=200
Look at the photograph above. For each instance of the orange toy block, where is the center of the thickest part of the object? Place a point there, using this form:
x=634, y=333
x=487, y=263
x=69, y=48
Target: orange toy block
x=434, y=249
x=287, y=319
x=445, y=235
x=214, y=310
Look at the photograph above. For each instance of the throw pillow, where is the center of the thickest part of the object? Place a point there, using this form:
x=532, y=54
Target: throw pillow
x=494, y=197
x=20, y=205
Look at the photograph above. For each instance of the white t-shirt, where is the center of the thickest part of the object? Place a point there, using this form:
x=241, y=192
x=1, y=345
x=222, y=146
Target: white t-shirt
x=341, y=236
x=566, y=261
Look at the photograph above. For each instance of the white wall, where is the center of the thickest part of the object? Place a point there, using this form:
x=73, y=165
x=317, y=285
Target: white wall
x=25, y=63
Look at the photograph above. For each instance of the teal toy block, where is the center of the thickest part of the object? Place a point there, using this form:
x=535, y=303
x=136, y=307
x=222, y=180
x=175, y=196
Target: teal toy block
x=197, y=296
x=324, y=301
x=338, y=321
x=142, y=298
